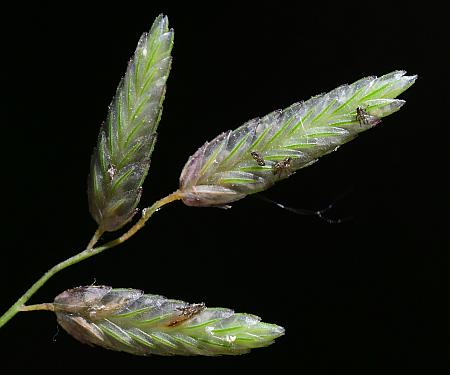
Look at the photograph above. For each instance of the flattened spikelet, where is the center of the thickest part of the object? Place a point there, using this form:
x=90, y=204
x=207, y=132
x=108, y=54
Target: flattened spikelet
x=121, y=160
x=143, y=324
x=225, y=169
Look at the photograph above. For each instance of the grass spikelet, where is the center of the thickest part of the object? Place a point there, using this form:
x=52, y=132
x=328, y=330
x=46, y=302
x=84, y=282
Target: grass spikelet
x=265, y=150
x=121, y=160
x=143, y=324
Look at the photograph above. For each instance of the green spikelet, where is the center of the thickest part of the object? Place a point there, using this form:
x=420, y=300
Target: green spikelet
x=122, y=158
x=265, y=150
x=143, y=324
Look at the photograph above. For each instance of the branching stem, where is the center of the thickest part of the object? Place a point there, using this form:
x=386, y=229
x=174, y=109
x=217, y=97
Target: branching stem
x=98, y=233
x=87, y=253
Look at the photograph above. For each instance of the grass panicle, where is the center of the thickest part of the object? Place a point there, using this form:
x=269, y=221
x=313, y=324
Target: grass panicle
x=121, y=160
x=143, y=324
x=265, y=150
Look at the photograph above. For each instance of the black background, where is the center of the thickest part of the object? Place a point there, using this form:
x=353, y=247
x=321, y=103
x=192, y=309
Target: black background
x=371, y=293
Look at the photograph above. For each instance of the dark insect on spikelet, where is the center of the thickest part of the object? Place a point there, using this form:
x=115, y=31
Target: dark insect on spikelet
x=364, y=118
x=258, y=158
x=186, y=313
x=282, y=166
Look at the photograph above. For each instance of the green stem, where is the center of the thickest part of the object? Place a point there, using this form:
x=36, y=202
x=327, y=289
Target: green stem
x=40, y=306
x=90, y=251
x=98, y=233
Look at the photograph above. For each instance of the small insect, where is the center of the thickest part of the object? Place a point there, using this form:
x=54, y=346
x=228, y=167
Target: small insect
x=259, y=159
x=282, y=166
x=365, y=118
x=112, y=171
x=186, y=313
